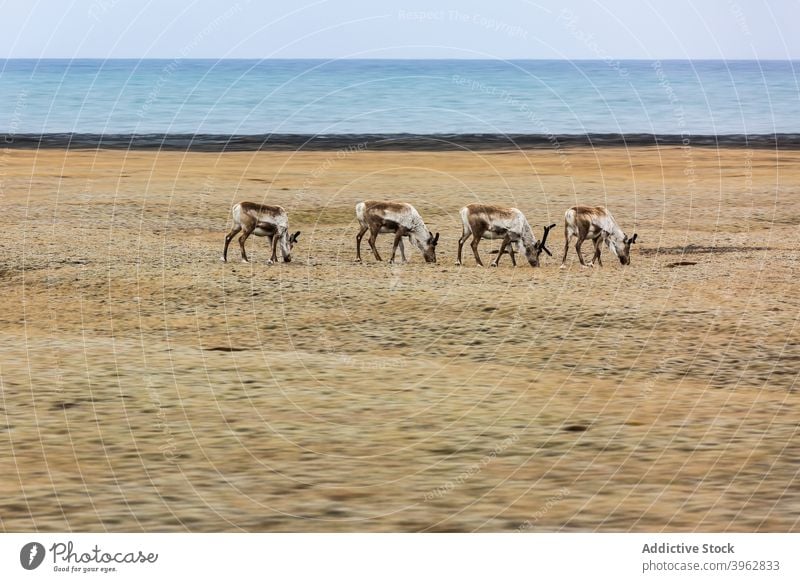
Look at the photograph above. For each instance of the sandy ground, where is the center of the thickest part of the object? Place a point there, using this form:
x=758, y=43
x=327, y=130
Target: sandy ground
x=146, y=386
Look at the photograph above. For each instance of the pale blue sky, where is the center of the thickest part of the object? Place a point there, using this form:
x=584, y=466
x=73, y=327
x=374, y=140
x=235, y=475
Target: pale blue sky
x=577, y=29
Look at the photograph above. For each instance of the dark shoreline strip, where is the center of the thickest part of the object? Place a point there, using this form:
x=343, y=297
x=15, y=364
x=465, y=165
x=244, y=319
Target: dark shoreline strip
x=388, y=142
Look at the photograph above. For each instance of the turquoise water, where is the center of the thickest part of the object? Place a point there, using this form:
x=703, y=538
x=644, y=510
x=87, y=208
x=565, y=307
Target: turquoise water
x=396, y=96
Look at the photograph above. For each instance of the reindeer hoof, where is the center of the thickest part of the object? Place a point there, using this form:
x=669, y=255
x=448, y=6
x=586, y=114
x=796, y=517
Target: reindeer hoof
x=245, y=261
x=223, y=260
x=563, y=266
x=270, y=262
x=493, y=264
x=458, y=263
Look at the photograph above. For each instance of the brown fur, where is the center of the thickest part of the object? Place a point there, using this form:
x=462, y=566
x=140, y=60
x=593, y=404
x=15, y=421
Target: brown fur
x=485, y=210
x=374, y=215
x=380, y=206
x=248, y=222
x=584, y=217
x=253, y=208
x=479, y=222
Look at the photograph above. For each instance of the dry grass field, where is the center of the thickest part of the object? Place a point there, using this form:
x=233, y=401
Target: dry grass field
x=146, y=386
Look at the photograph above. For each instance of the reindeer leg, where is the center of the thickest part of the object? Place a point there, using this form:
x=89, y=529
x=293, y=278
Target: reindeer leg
x=245, y=233
x=228, y=238
x=503, y=246
x=477, y=235
x=461, y=242
x=597, y=248
x=511, y=254
x=274, y=258
x=403, y=251
x=398, y=240
x=373, y=236
x=359, y=236
x=474, y=245
x=567, y=238
x=578, y=250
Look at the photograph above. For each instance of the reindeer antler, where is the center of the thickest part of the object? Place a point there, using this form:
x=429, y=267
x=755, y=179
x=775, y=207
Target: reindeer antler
x=544, y=240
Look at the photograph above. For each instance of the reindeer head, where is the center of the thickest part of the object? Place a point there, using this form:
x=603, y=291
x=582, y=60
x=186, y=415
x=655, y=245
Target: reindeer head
x=287, y=244
x=532, y=252
x=622, y=248
x=428, y=247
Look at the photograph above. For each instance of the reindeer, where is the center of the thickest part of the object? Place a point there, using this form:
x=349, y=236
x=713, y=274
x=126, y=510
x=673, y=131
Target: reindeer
x=596, y=224
x=482, y=221
x=261, y=220
x=400, y=218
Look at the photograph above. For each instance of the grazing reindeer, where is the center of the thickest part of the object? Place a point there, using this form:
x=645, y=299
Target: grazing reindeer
x=596, y=224
x=400, y=218
x=261, y=220
x=481, y=221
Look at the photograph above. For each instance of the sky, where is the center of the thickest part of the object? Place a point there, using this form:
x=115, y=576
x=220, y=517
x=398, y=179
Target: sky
x=504, y=29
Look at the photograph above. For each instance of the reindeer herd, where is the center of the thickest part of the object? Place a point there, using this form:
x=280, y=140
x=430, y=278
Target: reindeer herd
x=479, y=221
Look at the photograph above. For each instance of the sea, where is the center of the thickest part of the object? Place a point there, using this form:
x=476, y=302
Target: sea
x=419, y=97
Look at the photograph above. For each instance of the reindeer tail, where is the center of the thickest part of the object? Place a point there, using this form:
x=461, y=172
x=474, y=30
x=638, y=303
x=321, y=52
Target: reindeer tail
x=361, y=211
x=465, y=228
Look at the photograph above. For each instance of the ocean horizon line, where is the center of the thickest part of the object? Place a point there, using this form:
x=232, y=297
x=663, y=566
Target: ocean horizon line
x=401, y=59
x=211, y=142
